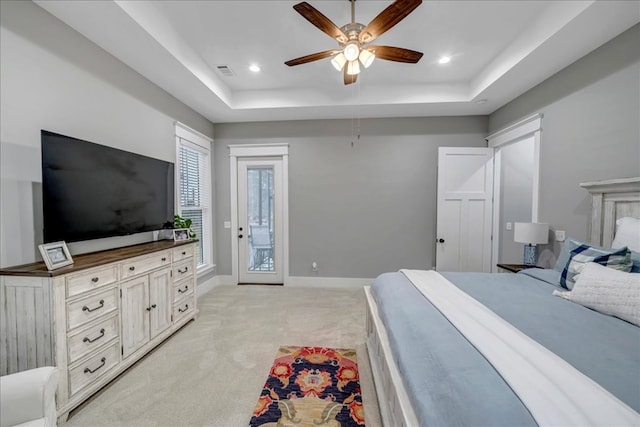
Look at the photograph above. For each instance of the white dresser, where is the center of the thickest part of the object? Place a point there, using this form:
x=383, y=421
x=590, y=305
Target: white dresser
x=97, y=317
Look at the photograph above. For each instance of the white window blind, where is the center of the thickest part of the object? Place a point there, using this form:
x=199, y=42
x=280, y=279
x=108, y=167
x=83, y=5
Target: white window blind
x=194, y=196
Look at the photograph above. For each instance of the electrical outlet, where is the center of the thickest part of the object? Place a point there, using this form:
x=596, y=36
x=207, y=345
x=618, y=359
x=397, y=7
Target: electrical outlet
x=560, y=236
x=314, y=266
x=508, y=226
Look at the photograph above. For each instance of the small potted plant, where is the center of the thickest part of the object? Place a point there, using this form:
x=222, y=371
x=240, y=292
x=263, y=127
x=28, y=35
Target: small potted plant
x=179, y=222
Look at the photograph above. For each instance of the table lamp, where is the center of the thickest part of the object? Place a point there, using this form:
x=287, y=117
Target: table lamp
x=530, y=233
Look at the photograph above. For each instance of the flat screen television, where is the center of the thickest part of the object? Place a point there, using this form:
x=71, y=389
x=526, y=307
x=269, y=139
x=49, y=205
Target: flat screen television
x=91, y=191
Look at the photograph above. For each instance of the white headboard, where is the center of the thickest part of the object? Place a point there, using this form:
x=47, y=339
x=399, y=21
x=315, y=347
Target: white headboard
x=611, y=199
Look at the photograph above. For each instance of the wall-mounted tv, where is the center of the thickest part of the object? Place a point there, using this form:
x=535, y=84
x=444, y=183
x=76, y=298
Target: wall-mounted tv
x=92, y=191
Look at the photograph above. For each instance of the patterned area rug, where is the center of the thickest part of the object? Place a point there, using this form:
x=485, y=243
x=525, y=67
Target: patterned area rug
x=311, y=386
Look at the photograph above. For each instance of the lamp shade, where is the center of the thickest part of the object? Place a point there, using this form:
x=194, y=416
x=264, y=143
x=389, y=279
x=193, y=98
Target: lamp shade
x=338, y=61
x=531, y=232
x=353, y=68
x=366, y=57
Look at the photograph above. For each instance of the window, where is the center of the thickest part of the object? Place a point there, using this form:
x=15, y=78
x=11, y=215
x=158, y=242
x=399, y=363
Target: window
x=193, y=170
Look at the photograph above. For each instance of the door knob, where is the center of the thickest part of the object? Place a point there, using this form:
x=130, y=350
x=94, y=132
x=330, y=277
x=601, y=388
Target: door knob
x=239, y=236
x=440, y=240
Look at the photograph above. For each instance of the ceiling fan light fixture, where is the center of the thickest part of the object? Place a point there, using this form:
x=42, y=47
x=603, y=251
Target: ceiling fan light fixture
x=353, y=39
x=353, y=68
x=338, y=61
x=366, y=57
x=351, y=51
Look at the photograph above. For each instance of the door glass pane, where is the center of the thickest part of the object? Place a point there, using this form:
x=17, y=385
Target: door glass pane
x=260, y=218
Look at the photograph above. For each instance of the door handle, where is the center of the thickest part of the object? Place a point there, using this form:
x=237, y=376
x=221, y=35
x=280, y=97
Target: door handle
x=239, y=236
x=440, y=240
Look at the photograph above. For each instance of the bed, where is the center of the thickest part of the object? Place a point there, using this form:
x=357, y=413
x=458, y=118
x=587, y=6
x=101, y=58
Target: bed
x=428, y=372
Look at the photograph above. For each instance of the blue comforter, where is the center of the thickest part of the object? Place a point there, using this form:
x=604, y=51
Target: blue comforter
x=450, y=383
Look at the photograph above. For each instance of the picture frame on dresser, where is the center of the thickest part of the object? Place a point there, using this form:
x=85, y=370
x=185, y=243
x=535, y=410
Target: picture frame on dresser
x=55, y=255
x=181, y=235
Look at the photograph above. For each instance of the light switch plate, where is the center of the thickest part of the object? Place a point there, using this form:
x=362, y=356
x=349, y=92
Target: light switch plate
x=227, y=224
x=560, y=236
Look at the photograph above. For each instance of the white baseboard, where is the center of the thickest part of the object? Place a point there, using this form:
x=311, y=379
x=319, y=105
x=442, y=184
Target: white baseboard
x=327, y=282
x=211, y=283
x=298, y=282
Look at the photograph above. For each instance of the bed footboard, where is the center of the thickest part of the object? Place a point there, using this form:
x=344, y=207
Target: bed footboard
x=395, y=407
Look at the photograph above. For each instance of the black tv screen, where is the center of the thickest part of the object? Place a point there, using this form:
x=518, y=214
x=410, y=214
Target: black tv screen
x=91, y=191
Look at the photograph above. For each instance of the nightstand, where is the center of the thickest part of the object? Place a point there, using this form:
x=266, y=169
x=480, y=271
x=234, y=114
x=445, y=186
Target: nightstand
x=514, y=268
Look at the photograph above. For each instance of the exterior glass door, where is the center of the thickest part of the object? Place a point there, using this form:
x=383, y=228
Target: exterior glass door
x=259, y=221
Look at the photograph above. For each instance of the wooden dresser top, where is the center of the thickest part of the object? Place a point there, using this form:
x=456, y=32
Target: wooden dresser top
x=92, y=259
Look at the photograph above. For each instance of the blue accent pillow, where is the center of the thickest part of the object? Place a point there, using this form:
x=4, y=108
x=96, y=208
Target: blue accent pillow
x=619, y=259
x=565, y=253
x=635, y=259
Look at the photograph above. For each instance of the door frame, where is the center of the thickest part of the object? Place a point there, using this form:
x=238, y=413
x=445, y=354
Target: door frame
x=276, y=275
x=530, y=126
x=258, y=151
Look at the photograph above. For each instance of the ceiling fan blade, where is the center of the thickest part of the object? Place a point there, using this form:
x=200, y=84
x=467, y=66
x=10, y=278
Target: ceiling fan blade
x=325, y=25
x=310, y=58
x=389, y=17
x=397, y=54
x=349, y=78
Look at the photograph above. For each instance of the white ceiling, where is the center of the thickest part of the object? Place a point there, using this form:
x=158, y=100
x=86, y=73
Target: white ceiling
x=499, y=50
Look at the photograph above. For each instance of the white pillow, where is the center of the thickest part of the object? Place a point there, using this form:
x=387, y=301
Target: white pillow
x=627, y=234
x=608, y=291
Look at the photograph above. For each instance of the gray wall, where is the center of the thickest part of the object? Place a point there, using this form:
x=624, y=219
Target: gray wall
x=590, y=131
x=53, y=78
x=516, y=195
x=357, y=210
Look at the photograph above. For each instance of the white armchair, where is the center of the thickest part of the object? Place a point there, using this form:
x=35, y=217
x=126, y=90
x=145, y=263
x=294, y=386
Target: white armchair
x=27, y=399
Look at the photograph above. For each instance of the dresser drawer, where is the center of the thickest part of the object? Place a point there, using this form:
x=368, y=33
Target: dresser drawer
x=86, y=309
x=182, y=289
x=183, y=252
x=91, y=279
x=182, y=270
x=144, y=264
x=93, y=368
x=182, y=309
x=87, y=340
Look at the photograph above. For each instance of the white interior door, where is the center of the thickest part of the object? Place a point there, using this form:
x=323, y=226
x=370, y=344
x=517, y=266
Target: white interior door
x=465, y=207
x=260, y=221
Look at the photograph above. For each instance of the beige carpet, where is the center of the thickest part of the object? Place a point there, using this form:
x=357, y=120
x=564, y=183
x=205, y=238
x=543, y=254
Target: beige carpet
x=212, y=371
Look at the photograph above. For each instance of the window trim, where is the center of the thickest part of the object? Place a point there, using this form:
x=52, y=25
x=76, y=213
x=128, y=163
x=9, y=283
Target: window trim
x=194, y=140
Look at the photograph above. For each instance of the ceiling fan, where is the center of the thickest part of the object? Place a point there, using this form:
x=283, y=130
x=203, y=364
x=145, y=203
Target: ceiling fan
x=354, y=38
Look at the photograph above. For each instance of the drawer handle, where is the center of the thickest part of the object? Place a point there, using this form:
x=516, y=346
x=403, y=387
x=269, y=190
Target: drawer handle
x=95, y=279
x=182, y=291
x=89, y=371
x=132, y=268
x=85, y=308
x=183, y=271
x=164, y=258
x=152, y=306
x=186, y=307
x=89, y=340
x=184, y=252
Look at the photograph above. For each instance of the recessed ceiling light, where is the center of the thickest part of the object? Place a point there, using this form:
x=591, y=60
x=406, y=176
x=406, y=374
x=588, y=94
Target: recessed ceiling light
x=444, y=59
x=254, y=67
